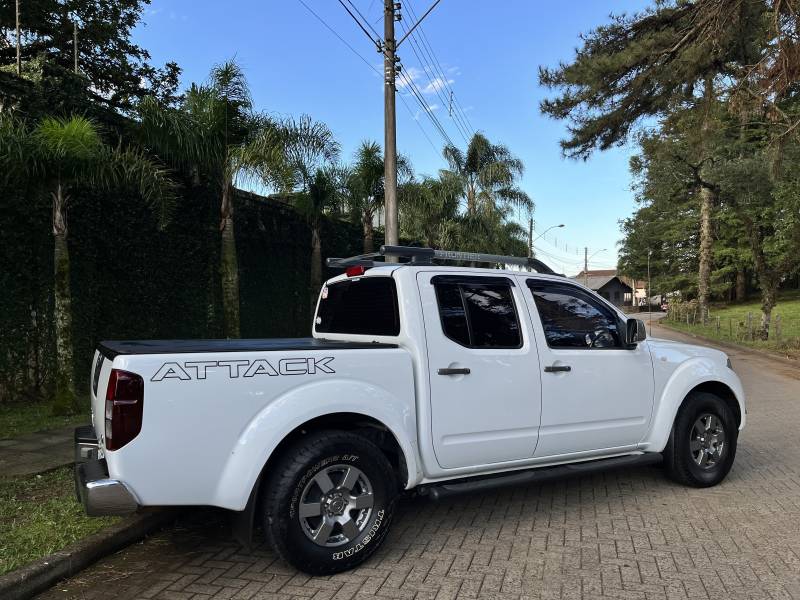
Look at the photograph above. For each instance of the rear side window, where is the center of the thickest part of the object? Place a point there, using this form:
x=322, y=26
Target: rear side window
x=363, y=306
x=571, y=318
x=476, y=314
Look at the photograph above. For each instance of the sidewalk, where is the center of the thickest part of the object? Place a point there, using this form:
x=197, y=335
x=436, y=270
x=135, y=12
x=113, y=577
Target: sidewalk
x=37, y=452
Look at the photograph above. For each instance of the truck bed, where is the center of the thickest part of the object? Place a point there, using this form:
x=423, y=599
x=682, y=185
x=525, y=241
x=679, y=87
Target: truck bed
x=112, y=349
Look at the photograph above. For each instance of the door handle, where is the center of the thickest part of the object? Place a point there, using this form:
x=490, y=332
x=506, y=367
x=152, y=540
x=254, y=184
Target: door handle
x=461, y=371
x=557, y=368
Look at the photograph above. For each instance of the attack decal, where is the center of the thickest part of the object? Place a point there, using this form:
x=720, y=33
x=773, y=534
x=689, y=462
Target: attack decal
x=234, y=369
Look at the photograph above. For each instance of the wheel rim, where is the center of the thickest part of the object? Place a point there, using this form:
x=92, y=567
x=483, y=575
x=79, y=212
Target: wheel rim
x=336, y=505
x=707, y=441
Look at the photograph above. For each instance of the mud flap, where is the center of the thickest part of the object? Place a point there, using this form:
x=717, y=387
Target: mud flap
x=242, y=522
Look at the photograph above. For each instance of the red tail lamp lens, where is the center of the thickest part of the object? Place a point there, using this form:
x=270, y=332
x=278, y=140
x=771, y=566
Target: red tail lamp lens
x=124, y=401
x=355, y=271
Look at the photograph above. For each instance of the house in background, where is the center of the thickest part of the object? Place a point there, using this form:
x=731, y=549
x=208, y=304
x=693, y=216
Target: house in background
x=606, y=283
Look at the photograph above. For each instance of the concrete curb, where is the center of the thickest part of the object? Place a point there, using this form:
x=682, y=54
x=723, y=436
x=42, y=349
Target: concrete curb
x=35, y=577
x=731, y=346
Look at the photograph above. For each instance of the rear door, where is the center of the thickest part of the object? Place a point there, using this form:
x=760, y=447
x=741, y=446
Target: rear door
x=484, y=371
x=596, y=394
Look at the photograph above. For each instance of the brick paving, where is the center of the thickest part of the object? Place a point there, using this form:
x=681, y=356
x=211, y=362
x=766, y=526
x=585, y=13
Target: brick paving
x=623, y=534
x=37, y=452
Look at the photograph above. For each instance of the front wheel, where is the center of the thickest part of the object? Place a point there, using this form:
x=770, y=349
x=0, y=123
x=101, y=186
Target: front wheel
x=328, y=503
x=702, y=444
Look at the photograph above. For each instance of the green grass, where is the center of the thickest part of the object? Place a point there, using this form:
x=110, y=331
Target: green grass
x=39, y=515
x=733, y=324
x=19, y=418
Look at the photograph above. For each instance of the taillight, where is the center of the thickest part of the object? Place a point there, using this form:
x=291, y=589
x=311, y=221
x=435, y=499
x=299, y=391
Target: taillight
x=124, y=400
x=355, y=271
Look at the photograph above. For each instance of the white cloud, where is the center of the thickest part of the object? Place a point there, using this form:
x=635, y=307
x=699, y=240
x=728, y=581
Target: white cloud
x=410, y=73
x=431, y=107
x=436, y=84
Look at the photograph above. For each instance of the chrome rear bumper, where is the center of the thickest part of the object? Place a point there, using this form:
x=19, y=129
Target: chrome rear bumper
x=99, y=494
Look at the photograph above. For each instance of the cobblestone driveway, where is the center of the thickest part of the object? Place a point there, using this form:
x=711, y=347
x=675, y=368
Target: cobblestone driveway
x=621, y=534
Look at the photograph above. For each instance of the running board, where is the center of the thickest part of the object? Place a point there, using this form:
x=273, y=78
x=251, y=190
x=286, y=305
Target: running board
x=438, y=491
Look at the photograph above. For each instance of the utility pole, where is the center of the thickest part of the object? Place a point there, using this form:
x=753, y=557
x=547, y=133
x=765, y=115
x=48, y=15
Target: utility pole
x=75, y=43
x=19, y=46
x=530, y=237
x=586, y=266
x=388, y=47
x=649, y=291
x=391, y=11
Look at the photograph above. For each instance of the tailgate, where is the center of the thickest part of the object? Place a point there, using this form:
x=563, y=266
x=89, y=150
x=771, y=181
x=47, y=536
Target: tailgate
x=101, y=371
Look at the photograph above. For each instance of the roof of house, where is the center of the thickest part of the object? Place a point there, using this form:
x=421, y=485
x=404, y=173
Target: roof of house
x=599, y=273
x=595, y=282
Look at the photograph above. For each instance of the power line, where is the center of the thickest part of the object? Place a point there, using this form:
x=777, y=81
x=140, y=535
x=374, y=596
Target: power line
x=358, y=22
x=421, y=101
x=432, y=82
x=438, y=64
x=363, y=18
x=439, y=83
x=424, y=105
x=371, y=66
x=341, y=39
x=429, y=64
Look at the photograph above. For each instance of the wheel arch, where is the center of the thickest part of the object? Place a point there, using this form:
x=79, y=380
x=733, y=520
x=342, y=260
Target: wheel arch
x=721, y=390
x=365, y=425
x=695, y=375
x=387, y=418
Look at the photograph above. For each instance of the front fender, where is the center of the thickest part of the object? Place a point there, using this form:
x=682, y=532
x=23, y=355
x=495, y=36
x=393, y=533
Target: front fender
x=269, y=427
x=689, y=374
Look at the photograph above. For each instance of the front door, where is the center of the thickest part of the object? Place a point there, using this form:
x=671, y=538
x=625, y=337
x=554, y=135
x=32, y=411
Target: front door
x=485, y=384
x=596, y=394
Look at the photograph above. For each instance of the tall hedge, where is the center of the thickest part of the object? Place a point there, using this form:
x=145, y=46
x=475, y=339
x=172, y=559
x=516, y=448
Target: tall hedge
x=130, y=280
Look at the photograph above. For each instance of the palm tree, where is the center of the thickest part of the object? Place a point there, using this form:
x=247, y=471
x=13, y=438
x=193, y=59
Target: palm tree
x=488, y=174
x=323, y=196
x=60, y=157
x=366, y=186
x=429, y=210
x=216, y=132
x=310, y=149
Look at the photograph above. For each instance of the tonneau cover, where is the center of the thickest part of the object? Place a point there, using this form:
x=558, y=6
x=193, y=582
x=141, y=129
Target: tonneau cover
x=110, y=349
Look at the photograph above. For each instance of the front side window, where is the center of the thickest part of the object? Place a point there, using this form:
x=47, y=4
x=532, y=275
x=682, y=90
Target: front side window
x=571, y=318
x=478, y=314
x=362, y=306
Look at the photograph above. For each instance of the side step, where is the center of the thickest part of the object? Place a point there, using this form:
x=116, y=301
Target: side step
x=438, y=491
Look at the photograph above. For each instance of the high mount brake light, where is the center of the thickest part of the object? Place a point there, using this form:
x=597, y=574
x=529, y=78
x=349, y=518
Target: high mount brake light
x=355, y=271
x=124, y=401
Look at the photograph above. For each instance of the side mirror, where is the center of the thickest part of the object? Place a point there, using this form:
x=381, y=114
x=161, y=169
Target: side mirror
x=635, y=331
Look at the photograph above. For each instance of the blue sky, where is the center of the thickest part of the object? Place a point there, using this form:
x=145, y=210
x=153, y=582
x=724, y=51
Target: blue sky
x=490, y=52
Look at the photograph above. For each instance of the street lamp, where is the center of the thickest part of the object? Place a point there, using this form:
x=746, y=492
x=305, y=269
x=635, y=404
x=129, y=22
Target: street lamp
x=531, y=240
x=545, y=231
x=586, y=264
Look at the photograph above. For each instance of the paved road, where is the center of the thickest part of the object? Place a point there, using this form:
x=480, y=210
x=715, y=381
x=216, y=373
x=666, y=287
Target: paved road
x=623, y=534
x=37, y=452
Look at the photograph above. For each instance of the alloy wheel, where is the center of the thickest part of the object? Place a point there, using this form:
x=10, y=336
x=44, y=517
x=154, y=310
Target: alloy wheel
x=336, y=505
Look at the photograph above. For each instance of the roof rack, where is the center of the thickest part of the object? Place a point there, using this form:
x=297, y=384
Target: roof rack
x=426, y=256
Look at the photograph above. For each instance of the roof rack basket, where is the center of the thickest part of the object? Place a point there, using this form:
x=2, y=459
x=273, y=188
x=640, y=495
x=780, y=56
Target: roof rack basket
x=426, y=256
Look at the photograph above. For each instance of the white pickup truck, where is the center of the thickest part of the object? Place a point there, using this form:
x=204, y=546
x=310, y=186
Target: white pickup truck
x=437, y=378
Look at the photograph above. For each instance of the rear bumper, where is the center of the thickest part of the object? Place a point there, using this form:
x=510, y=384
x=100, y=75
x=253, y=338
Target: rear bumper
x=99, y=494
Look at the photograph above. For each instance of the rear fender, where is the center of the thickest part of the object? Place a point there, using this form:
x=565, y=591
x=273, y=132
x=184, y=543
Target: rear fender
x=687, y=377
x=261, y=436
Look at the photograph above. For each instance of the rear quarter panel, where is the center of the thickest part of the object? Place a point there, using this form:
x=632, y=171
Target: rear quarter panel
x=205, y=440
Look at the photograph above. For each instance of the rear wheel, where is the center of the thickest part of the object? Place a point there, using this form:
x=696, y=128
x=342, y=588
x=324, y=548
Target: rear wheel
x=328, y=503
x=702, y=444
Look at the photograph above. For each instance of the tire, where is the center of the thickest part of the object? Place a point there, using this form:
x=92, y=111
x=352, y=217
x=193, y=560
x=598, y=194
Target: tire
x=324, y=531
x=702, y=444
